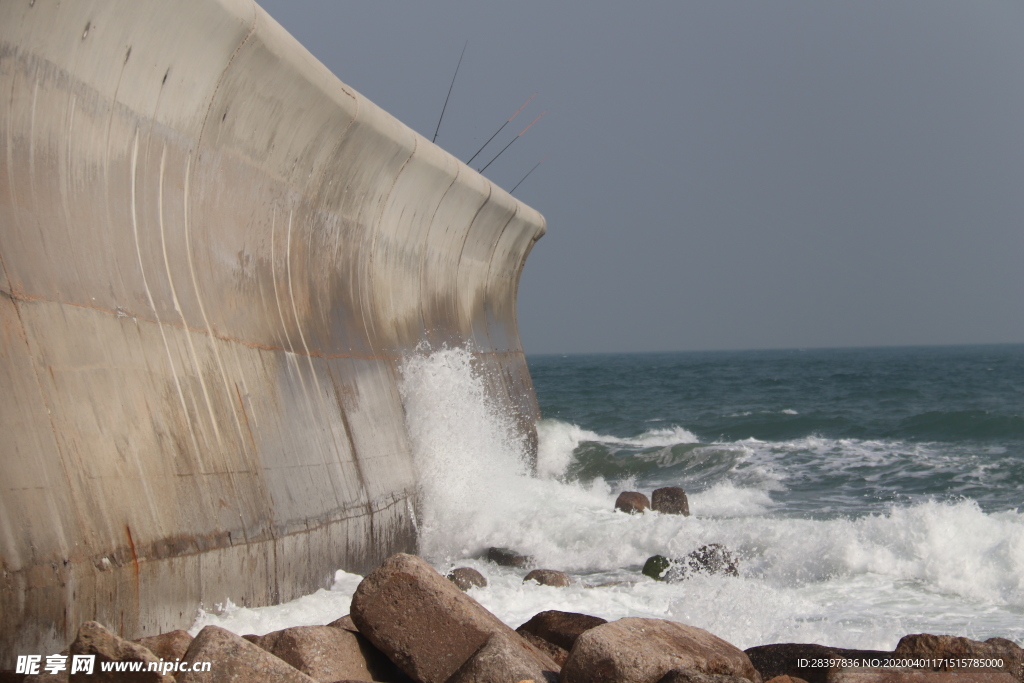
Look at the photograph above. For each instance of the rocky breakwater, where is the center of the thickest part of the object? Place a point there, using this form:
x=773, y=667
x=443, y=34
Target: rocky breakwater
x=411, y=624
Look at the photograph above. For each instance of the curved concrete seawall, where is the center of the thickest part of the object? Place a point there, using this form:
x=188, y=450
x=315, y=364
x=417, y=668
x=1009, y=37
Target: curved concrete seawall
x=214, y=255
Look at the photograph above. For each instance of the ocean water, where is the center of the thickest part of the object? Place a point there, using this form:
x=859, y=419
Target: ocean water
x=867, y=493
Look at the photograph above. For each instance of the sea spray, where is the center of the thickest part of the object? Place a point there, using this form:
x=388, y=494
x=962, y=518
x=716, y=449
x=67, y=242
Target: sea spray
x=800, y=577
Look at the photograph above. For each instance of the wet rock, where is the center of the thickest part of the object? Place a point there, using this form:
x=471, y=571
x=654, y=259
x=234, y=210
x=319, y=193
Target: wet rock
x=784, y=659
x=466, y=578
x=670, y=500
x=549, y=577
x=713, y=558
x=168, y=646
x=235, y=660
x=94, y=639
x=506, y=557
x=423, y=623
x=632, y=502
x=560, y=628
x=635, y=650
x=503, y=658
x=657, y=567
x=925, y=645
x=691, y=676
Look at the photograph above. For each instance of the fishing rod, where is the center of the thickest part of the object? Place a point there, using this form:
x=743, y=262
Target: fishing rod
x=528, y=174
x=450, y=91
x=513, y=140
x=502, y=128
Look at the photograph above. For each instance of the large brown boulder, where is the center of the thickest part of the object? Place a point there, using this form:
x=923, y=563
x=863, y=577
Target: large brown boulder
x=424, y=623
x=94, y=639
x=635, y=650
x=670, y=500
x=502, y=658
x=632, y=502
x=560, y=628
x=928, y=646
x=329, y=654
x=167, y=646
x=549, y=577
x=235, y=660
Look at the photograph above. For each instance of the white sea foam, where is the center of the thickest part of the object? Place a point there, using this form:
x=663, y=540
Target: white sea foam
x=321, y=607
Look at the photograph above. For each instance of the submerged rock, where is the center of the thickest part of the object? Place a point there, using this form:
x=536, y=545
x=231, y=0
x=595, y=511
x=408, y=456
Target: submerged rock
x=506, y=557
x=549, y=577
x=466, y=578
x=632, y=502
x=713, y=558
x=670, y=500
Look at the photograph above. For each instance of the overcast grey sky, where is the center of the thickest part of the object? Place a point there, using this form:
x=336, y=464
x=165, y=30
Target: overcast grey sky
x=727, y=174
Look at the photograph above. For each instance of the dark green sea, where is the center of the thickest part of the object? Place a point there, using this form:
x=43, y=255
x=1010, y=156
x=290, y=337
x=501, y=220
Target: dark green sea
x=841, y=431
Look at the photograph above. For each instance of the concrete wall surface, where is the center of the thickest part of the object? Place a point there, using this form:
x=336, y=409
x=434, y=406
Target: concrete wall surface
x=213, y=256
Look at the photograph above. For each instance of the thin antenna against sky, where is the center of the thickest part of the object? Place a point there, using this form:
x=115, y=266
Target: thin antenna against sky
x=502, y=127
x=513, y=140
x=449, y=91
x=528, y=174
